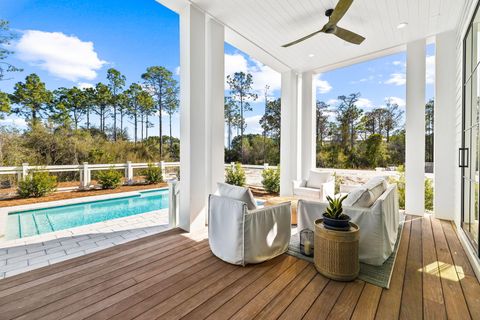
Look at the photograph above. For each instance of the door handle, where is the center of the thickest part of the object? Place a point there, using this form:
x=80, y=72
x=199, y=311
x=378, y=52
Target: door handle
x=463, y=156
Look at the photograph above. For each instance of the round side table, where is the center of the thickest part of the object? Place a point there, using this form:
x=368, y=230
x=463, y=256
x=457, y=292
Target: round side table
x=336, y=252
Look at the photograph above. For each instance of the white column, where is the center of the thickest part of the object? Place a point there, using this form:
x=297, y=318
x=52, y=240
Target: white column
x=215, y=83
x=415, y=129
x=193, y=193
x=289, y=133
x=445, y=161
x=307, y=126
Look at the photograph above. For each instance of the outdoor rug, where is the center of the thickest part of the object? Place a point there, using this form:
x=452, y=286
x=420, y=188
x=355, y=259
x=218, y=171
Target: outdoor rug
x=376, y=275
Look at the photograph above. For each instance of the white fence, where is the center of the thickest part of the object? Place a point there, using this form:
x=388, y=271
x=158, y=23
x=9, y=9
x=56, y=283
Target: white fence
x=253, y=172
x=86, y=169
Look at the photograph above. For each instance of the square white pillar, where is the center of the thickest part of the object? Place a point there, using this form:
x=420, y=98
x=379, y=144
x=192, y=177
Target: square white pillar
x=415, y=129
x=308, y=126
x=445, y=161
x=193, y=166
x=215, y=83
x=289, y=133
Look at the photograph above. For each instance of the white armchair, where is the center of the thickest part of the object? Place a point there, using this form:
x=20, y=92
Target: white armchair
x=241, y=236
x=318, y=186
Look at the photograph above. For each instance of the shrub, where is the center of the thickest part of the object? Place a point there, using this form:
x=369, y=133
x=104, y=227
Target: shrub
x=235, y=175
x=400, y=186
x=428, y=194
x=401, y=190
x=339, y=180
x=153, y=174
x=271, y=180
x=109, y=179
x=37, y=184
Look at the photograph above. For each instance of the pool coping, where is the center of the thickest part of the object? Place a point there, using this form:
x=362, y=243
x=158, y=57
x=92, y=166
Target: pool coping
x=4, y=211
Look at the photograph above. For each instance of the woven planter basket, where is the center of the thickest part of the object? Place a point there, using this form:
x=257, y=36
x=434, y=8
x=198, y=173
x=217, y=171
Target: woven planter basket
x=336, y=252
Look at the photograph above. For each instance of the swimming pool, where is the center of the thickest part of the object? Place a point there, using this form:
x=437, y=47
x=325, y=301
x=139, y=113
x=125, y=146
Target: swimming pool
x=33, y=222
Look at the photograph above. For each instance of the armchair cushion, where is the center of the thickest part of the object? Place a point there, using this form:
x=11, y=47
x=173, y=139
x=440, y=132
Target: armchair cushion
x=316, y=179
x=359, y=197
x=376, y=186
x=237, y=193
x=309, y=193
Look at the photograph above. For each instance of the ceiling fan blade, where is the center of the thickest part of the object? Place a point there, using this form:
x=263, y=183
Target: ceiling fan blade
x=339, y=11
x=304, y=38
x=348, y=35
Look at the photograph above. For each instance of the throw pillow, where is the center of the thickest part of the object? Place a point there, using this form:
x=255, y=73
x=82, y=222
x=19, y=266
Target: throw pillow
x=237, y=193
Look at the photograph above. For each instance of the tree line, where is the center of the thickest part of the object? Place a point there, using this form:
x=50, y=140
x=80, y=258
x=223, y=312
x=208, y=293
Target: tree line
x=347, y=136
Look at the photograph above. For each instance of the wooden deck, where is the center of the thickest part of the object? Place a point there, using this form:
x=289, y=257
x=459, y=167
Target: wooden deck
x=171, y=276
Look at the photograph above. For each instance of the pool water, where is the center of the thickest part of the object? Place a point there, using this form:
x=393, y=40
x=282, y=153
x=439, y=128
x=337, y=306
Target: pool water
x=34, y=222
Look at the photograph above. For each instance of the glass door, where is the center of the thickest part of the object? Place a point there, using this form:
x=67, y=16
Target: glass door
x=469, y=154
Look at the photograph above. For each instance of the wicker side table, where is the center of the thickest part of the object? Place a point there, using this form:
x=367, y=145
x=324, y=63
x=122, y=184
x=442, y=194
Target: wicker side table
x=336, y=252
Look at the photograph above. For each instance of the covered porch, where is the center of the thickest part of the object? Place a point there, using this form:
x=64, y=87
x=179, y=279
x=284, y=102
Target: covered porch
x=174, y=274
x=205, y=27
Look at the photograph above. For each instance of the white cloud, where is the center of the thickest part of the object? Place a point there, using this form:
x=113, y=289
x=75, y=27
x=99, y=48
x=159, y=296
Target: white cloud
x=63, y=56
x=177, y=70
x=322, y=85
x=84, y=85
x=364, y=103
x=332, y=102
x=15, y=122
x=398, y=79
x=430, y=69
x=262, y=75
x=253, y=125
x=398, y=63
x=396, y=100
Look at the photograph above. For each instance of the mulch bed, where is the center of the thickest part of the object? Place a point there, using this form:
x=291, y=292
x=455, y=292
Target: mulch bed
x=15, y=201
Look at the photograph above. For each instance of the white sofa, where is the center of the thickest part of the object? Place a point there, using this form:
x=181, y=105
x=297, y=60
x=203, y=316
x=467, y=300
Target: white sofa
x=240, y=233
x=318, y=186
x=378, y=223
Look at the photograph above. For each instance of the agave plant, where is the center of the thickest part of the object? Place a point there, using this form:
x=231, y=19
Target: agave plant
x=334, y=209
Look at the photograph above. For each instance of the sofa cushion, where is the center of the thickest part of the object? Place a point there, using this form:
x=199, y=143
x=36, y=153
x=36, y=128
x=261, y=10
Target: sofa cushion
x=237, y=193
x=359, y=197
x=377, y=186
x=317, y=178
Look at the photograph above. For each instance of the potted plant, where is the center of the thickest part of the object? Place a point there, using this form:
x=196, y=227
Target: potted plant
x=333, y=217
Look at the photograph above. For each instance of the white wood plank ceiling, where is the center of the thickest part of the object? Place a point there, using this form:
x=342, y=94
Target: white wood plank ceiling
x=271, y=23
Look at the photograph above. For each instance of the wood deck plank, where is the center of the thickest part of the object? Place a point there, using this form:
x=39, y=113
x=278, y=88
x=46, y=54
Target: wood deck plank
x=367, y=304
x=254, y=306
x=90, y=297
x=86, y=308
x=277, y=305
x=217, y=300
x=303, y=302
x=433, y=303
x=325, y=301
x=169, y=235
x=96, y=266
x=138, y=264
x=347, y=301
x=468, y=280
x=228, y=309
x=173, y=276
x=455, y=303
x=390, y=301
x=412, y=297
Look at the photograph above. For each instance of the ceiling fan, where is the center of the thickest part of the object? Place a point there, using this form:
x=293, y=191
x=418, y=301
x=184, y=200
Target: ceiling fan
x=334, y=16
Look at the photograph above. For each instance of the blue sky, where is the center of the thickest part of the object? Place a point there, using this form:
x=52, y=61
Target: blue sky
x=72, y=42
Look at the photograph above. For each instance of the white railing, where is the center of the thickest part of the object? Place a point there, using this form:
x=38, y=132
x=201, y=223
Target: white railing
x=85, y=169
